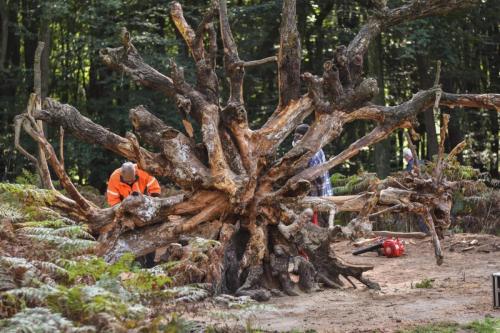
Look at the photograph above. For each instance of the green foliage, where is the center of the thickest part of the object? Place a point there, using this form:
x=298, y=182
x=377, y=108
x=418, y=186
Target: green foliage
x=55, y=224
x=454, y=170
x=434, y=328
x=342, y=185
x=41, y=320
x=73, y=232
x=28, y=194
x=82, y=302
x=28, y=178
x=29, y=296
x=144, y=281
x=32, y=273
x=425, y=284
x=96, y=268
x=187, y=293
x=177, y=324
x=10, y=212
x=125, y=270
x=489, y=325
x=19, y=201
x=64, y=244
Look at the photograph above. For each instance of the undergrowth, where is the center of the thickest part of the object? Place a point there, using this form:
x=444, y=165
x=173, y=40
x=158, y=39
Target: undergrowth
x=51, y=281
x=425, y=284
x=487, y=325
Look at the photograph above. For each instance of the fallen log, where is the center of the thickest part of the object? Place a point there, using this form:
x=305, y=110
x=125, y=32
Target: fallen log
x=418, y=235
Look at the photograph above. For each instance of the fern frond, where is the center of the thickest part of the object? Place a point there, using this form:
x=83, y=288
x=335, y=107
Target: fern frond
x=10, y=212
x=33, y=273
x=338, y=179
x=66, y=245
x=74, y=231
x=28, y=193
x=202, y=244
x=353, y=184
x=31, y=296
x=43, y=224
x=51, y=268
x=35, y=231
x=41, y=320
x=188, y=294
x=47, y=213
x=6, y=279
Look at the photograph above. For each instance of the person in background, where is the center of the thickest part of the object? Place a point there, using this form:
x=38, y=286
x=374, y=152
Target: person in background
x=321, y=186
x=129, y=179
x=408, y=156
x=410, y=160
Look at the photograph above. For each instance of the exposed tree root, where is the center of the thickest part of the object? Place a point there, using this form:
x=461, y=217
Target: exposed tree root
x=234, y=190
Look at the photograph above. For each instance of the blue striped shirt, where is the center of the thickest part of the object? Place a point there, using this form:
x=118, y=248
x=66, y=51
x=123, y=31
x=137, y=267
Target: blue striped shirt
x=321, y=186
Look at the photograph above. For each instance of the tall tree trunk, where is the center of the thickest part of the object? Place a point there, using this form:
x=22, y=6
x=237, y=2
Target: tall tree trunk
x=30, y=21
x=383, y=151
x=491, y=75
x=45, y=36
x=425, y=81
x=4, y=31
x=14, y=55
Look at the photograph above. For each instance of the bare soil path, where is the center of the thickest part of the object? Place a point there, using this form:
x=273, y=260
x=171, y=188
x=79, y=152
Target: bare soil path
x=461, y=292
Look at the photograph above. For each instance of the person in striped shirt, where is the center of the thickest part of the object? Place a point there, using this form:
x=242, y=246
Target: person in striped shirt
x=320, y=186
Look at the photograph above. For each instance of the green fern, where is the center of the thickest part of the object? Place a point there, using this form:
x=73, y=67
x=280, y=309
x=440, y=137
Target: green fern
x=66, y=245
x=28, y=178
x=33, y=272
x=43, y=224
x=6, y=279
x=338, y=179
x=28, y=193
x=96, y=268
x=30, y=296
x=41, y=320
x=51, y=268
x=10, y=212
x=73, y=232
x=81, y=303
x=202, y=244
x=178, y=324
x=187, y=294
x=144, y=281
x=352, y=184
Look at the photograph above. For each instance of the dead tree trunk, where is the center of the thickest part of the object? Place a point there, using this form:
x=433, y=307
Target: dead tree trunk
x=235, y=190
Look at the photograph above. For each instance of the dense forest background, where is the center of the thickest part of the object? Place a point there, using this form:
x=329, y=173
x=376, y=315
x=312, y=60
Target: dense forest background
x=403, y=59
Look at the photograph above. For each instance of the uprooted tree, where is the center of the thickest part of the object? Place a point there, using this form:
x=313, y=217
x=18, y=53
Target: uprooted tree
x=234, y=189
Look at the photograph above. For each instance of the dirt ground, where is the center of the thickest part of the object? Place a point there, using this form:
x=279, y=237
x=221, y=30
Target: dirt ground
x=461, y=292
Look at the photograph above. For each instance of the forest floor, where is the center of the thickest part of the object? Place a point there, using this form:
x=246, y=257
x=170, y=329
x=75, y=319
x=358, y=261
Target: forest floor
x=459, y=291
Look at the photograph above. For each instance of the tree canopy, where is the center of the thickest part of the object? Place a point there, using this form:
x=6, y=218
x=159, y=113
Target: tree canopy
x=403, y=59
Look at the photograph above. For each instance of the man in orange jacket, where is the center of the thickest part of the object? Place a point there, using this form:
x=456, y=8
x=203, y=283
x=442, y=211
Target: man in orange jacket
x=129, y=179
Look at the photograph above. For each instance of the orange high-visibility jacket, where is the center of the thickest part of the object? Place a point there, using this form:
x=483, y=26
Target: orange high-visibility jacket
x=119, y=190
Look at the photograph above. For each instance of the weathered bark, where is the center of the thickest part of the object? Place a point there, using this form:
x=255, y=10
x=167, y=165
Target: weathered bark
x=36, y=103
x=289, y=56
x=234, y=189
x=430, y=126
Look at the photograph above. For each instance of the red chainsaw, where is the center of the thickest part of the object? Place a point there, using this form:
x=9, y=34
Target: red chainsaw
x=390, y=247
